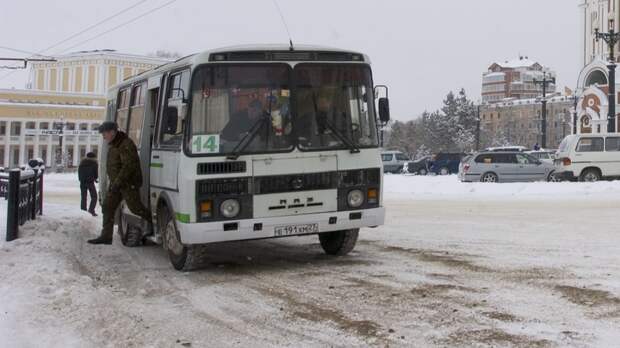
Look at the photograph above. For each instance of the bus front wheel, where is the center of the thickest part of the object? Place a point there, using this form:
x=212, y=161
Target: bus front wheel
x=339, y=242
x=183, y=257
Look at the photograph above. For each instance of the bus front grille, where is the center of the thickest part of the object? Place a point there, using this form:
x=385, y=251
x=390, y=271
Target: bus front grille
x=223, y=186
x=221, y=167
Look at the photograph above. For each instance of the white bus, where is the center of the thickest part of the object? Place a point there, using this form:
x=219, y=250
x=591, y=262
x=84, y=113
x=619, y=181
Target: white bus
x=248, y=143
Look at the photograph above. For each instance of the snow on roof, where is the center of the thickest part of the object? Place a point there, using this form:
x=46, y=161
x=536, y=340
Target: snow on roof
x=521, y=62
x=493, y=74
x=114, y=53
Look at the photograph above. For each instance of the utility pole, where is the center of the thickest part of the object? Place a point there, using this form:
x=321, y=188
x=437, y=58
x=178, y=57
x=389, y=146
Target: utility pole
x=611, y=38
x=543, y=122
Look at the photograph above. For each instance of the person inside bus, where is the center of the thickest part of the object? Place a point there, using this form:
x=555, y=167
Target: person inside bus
x=242, y=121
x=323, y=119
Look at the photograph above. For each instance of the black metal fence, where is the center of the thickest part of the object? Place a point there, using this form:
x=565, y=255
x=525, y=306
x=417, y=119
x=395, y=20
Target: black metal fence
x=23, y=190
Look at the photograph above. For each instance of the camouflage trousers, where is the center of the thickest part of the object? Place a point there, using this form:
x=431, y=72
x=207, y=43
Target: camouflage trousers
x=112, y=200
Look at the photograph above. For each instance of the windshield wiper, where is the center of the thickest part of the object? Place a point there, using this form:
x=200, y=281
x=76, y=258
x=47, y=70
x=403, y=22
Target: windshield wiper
x=352, y=147
x=325, y=123
x=248, y=138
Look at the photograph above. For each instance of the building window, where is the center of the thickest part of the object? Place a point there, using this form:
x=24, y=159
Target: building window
x=2, y=128
x=70, y=126
x=44, y=125
x=83, y=126
x=30, y=125
x=16, y=128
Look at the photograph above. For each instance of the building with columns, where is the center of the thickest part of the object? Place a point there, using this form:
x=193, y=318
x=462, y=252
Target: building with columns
x=64, y=100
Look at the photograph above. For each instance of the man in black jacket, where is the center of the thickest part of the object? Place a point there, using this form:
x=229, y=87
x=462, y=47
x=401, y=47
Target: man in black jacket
x=88, y=173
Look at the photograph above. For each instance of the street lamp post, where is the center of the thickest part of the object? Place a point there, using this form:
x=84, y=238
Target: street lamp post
x=543, y=122
x=478, y=127
x=574, y=131
x=611, y=38
x=60, y=127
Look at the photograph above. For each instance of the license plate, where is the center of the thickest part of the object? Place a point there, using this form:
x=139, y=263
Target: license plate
x=289, y=230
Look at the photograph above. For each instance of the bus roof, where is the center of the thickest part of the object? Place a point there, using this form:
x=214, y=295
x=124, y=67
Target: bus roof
x=257, y=53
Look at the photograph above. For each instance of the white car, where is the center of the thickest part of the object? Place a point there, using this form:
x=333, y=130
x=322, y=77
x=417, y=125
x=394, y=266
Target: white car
x=393, y=161
x=588, y=157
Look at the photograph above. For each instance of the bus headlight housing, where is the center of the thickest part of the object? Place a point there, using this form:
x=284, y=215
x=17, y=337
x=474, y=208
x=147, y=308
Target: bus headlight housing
x=355, y=198
x=230, y=208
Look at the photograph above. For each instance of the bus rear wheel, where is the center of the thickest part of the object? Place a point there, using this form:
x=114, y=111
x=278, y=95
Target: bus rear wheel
x=339, y=242
x=183, y=257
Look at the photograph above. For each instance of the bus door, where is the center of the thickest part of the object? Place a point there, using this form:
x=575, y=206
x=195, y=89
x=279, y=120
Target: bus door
x=168, y=145
x=152, y=108
x=138, y=129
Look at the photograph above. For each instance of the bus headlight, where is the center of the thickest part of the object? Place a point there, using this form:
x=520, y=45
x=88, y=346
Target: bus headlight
x=230, y=208
x=355, y=198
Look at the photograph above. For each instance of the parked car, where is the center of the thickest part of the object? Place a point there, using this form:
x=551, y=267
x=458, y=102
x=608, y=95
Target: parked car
x=446, y=163
x=588, y=157
x=507, y=149
x=419, y=166
x=543, y=155
x=393, y=161
x=505, y=167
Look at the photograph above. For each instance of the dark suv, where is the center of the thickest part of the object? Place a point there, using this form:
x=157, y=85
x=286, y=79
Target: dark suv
x=419, y=166
x=446, y=163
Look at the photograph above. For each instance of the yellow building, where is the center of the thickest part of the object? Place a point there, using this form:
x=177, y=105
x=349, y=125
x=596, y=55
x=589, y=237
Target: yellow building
x=64, y=99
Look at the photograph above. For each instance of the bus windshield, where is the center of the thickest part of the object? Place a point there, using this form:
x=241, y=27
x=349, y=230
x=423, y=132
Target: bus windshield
x=334, y=106
x=237, y=104
x=248, y=109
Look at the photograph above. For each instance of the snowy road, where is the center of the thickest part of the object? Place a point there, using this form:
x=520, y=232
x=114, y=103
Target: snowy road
x=517, y=270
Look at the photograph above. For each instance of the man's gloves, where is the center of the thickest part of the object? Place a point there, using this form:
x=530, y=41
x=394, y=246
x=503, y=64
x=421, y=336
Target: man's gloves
x=115, y=188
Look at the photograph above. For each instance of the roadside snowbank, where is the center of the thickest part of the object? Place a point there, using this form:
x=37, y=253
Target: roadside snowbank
x=402, y=187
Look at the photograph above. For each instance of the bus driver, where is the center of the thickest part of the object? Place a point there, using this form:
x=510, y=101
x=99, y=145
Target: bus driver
x=242, y=121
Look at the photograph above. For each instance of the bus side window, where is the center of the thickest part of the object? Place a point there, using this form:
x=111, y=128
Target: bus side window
x=122, y=111
x=136, y=116
x=177, y=88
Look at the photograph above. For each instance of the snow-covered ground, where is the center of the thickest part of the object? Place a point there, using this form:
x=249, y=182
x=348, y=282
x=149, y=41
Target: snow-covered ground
x=449, y=187
x=455, y=265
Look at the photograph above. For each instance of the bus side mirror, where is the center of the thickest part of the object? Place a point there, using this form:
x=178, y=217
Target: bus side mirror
x=384, y=110
x=171, y=119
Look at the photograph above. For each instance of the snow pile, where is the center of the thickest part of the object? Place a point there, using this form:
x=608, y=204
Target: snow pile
x=399, y=187
x=66, y=183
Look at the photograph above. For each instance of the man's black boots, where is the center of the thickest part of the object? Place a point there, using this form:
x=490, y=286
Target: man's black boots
x=100, y=240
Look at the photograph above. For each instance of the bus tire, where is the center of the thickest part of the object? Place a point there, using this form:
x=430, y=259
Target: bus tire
x=339, y=243
x=183, y=257
x=130, y=236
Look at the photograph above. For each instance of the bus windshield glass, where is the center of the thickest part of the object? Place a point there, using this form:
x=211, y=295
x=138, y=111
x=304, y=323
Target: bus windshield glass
x=334, y=106
x=241, y=107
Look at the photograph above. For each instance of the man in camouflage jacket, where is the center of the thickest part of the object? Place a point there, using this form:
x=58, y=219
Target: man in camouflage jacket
x=124, y=180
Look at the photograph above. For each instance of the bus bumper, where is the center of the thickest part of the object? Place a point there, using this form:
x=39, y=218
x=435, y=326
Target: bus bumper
x=212, y=232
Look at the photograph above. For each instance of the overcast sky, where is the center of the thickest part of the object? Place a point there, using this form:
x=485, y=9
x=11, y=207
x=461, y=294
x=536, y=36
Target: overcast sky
x=421, y=49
